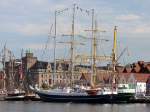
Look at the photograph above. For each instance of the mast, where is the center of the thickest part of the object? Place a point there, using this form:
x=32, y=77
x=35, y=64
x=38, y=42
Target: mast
x=58, y=12
x=93, y=50
x=21, y=72
x=11, y=83
x=72, y=43
x=4, y=62
x=94, y=57
x=93, y=76
x=55, y=49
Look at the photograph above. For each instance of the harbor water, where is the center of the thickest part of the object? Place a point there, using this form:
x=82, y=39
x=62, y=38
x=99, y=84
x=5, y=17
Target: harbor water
x=30, y=106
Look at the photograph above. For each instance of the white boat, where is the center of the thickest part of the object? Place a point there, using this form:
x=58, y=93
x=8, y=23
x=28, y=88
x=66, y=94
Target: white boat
x=15, y=95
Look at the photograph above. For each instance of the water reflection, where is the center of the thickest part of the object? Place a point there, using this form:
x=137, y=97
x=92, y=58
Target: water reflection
x=70, y=107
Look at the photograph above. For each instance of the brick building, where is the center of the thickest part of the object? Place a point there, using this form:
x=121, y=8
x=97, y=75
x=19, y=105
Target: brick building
x=40, y=74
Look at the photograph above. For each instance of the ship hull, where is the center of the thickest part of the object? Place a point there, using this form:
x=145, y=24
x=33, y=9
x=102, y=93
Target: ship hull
x=108, y=98
x=123, y=98
x=14, y=98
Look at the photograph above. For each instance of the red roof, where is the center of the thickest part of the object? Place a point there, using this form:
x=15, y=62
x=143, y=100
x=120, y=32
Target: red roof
x=138, y=76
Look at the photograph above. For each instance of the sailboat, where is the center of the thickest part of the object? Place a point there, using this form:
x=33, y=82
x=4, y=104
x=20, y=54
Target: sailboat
x=91, y=94
x=14, y=91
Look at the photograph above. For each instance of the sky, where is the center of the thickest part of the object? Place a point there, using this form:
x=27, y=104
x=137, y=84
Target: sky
x=26, y=24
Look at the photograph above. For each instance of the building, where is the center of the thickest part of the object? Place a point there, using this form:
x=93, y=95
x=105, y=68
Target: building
x=40, y=74
x=36, y=72
x=63, y=75
x=148, y=86
x=138, y=67
x=137, y=80
x=28, y=71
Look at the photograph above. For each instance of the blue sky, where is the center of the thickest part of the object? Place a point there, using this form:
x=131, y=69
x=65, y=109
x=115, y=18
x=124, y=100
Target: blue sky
x=26, y=24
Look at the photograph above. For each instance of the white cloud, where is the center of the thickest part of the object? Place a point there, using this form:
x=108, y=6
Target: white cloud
x=34, y=46
x=129, y=17
x=136, y=31
x=142, y=29
x=42, y=46
x=31, y=18
x=33, y=29
x=7, y=3
x=27, y=29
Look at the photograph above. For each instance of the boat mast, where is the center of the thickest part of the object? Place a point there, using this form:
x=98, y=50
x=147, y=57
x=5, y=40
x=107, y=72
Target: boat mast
x=94, y=45
x=72, y=44
x=11, y=83
x=54, y=49
x=21, y=72
x=4, y=62
x=93, y=50
x=57, y=12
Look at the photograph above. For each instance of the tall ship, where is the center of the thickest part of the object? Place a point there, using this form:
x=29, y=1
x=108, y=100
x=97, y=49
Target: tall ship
x=91, y=93
x=12, y=90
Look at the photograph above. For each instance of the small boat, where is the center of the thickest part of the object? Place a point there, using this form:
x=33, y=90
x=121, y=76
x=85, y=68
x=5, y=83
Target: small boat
x=31, y=97
x=2, y=94
x=15, y=95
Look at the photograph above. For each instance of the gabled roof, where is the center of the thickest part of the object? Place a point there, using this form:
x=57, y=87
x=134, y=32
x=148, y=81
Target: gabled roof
x=138, y=67
x=65, y=66
x=120, y=69
x=40, y=65
x=138, y=76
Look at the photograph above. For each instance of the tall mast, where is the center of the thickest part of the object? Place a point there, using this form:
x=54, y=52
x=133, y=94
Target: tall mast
x=93, y=50
x=94, y=45
x=4, y=62
x=54, y=49
x=21, y=72
x=11, y=83
x=72, y=43
x=94, y=56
